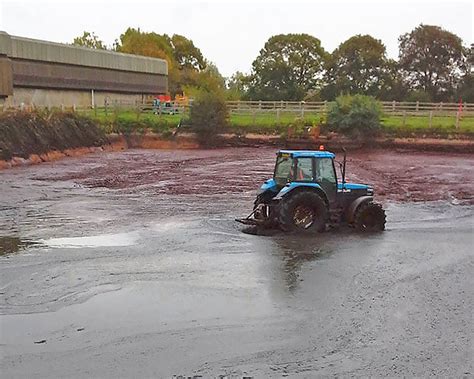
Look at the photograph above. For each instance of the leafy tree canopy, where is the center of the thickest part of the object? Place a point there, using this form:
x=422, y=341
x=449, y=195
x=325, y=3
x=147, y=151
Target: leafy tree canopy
x=186, y=54
x=358, y=66
x=134, y=41
x=89, y=40
x=432, y=60
x=237, y=86
x=287, y=67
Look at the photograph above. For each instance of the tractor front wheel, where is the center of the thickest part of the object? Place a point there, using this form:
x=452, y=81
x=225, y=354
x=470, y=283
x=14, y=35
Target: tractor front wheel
x=303, y=211
x=370, y=217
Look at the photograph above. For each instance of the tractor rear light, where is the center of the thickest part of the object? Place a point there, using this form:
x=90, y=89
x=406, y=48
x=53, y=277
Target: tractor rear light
x=321, y=147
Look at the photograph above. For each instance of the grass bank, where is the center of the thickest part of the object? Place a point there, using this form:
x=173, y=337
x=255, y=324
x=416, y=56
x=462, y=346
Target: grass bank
x=127, y=121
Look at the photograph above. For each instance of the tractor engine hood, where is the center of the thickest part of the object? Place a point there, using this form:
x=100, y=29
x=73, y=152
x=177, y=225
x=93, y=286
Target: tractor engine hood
x=349, y=187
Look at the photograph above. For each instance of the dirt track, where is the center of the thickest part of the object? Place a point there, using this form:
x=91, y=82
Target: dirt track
x=129, y=264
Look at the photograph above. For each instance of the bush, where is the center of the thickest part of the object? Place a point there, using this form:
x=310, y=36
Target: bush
x=208, y=115
x=356, y=116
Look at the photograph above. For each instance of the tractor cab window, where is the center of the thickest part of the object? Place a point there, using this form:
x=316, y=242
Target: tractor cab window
x=283, y=169
x=325, y=170
x=304, y=170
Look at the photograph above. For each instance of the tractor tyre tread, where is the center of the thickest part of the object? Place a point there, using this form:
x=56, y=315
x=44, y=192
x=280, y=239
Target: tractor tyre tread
x=288, y=206
x=377, y=211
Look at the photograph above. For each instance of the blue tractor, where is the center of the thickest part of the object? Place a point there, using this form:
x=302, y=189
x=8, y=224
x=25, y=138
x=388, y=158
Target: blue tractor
x=306, y=195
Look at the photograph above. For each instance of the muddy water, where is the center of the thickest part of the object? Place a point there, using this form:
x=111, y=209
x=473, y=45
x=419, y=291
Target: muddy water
x=129, y=264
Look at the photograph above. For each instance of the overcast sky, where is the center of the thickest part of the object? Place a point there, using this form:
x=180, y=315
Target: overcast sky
x=231, y=33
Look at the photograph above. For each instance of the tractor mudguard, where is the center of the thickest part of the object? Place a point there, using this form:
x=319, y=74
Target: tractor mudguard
x=291, y=186
x=352, y=209
x=269, y=185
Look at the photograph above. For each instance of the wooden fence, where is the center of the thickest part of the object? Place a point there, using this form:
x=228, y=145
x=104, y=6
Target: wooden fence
x=395, y=108
x=296, y=108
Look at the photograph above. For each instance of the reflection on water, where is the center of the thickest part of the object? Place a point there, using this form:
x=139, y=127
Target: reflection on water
x=103, y=240
x=10, y=245
x=295, y=251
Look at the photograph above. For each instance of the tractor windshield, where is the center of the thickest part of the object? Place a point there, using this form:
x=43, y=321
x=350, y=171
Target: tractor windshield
x=283, y=169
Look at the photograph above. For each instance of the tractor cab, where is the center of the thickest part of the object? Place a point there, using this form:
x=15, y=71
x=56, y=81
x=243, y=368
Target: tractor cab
x=308, y=179
x=300, y=168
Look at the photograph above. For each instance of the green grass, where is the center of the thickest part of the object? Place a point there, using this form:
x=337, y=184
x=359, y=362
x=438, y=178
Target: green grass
x=129, y=120
x=269, y=123
x=420, y=125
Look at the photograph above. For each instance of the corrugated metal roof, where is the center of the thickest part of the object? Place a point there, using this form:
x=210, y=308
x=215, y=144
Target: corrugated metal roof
x=38, y=50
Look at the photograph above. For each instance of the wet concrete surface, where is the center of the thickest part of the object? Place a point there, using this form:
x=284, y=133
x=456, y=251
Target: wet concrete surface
x=130, y=264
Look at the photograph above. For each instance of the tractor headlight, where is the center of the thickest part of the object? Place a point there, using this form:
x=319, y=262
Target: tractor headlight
x=370, y=190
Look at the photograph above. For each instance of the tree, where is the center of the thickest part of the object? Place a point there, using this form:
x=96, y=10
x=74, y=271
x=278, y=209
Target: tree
x=89, y=40
x=186, y=64
x=209, y=79
x=432, y=60
x=393, y=86
x=186, y=54
x=358, y=66
x=134, y=41
x=465, y=90
x=237, y=86
x=287, y=67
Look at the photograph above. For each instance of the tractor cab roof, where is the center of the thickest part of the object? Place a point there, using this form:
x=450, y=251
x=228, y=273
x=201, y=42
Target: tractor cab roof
x=308, y=153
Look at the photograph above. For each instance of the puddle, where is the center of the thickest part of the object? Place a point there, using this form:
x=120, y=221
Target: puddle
x=103, y=240
x=10, y=245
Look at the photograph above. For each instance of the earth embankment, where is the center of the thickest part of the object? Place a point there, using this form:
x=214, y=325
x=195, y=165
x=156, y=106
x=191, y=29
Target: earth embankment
x=23, y=134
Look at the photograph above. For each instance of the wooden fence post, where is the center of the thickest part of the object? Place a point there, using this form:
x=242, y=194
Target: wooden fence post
x=431, y=119
x=302, y=108
x=417, y=105
x=393, y=105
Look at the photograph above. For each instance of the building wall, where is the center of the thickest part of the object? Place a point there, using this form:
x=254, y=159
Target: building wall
x=35, y=74
x=6, y=76
x=30, y=97
x=42, y=73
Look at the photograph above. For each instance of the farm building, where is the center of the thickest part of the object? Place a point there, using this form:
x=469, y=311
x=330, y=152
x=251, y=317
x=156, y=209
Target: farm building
x=42, y=73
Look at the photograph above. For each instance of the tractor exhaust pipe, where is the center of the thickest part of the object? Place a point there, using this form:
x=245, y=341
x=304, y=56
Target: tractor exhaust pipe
x=344, y=168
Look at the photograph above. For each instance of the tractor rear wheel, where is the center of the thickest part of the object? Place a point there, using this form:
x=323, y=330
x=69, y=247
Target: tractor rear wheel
x=370, y=217
x=303, y=211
